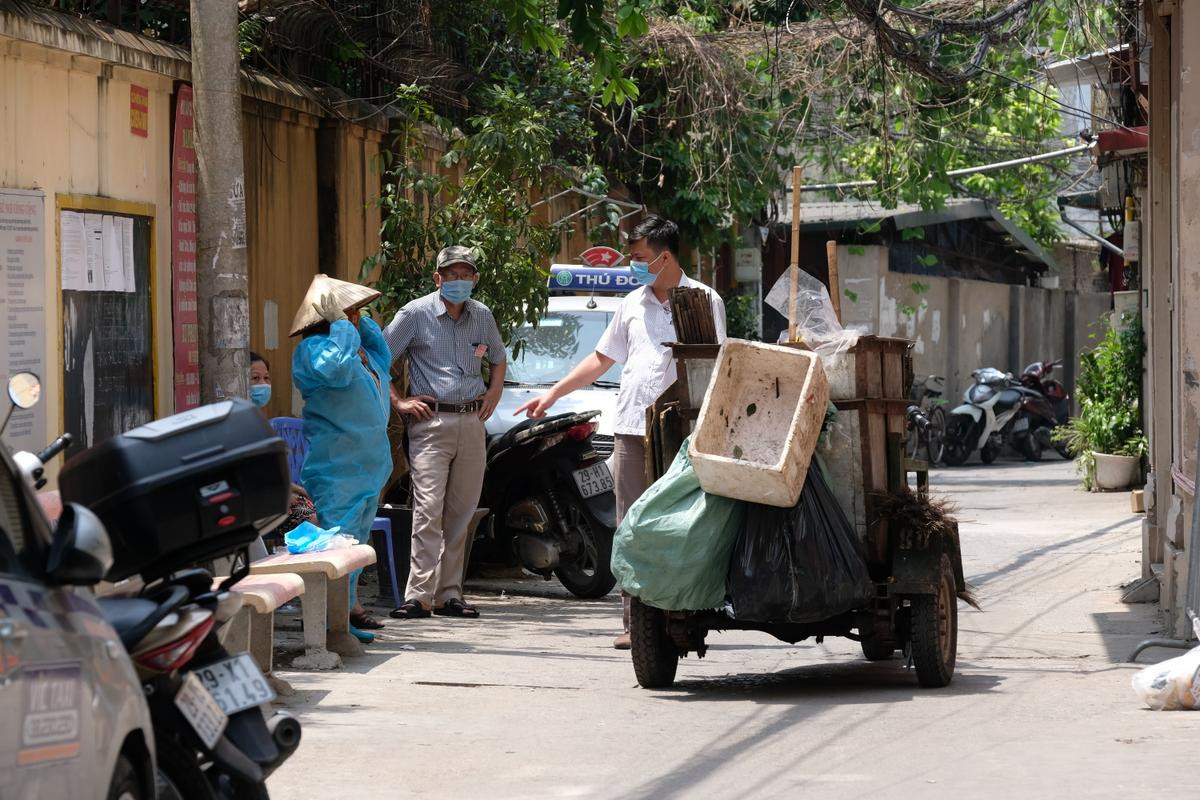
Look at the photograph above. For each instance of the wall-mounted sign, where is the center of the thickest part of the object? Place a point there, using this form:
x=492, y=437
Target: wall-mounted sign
x=184, y=315
x=139, y=110
x=23, y=307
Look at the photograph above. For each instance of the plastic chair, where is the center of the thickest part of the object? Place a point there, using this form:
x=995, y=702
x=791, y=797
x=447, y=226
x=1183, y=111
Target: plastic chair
x=291, y=430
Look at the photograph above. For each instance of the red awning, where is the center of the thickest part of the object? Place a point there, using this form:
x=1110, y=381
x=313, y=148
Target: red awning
x=1122, y=141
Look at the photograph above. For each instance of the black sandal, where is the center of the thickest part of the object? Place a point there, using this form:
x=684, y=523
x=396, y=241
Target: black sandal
x=456, y=608
x=410, y=609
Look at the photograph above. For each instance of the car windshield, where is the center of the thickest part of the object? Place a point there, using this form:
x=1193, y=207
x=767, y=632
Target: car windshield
x=561, y=339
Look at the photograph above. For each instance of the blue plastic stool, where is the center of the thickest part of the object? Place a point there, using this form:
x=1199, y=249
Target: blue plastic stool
x=384, y=526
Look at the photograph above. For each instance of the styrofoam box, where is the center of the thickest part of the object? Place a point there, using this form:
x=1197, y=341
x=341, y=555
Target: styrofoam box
x=839, y=370
x=759, y=423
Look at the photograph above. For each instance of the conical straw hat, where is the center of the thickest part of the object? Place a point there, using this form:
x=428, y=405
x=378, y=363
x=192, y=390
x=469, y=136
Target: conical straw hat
x=351, y=296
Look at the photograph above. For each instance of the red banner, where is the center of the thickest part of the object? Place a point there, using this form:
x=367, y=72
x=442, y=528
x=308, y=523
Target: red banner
x=139, y=110
x=183, y=254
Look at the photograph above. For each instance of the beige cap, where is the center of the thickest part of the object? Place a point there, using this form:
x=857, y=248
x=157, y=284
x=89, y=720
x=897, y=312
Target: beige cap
x=351, y=296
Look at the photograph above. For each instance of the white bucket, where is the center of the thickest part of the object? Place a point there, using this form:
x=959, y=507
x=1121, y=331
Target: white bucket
x=1116, y=472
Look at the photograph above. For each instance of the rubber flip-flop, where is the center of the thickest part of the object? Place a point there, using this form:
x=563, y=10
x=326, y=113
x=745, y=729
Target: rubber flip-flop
x=366, y=621
x=362, y=636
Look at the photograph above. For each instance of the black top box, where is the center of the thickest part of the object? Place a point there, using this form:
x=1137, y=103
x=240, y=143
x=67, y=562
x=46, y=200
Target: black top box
x=191, y=487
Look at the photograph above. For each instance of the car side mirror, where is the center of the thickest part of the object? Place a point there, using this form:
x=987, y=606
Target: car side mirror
x=80, y=552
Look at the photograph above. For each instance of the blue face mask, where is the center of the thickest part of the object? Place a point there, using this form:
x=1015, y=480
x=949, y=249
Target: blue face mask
x=457, y=291
x=641, y=272
x=260, y=394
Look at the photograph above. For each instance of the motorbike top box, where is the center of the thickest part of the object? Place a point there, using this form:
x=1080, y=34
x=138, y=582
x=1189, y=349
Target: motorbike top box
x=191, y=487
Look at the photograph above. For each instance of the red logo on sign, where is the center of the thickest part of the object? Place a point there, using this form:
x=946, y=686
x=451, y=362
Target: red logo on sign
x=601, y=256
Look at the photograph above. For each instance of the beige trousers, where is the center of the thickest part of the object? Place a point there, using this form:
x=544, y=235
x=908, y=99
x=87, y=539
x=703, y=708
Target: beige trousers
x=447, y=456
x=629, y=475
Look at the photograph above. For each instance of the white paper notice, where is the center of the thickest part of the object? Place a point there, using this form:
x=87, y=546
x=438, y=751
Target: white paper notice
x=23, y=309
x=73, y=247
x=114, y=261
x=93, y=268
x=127, y=252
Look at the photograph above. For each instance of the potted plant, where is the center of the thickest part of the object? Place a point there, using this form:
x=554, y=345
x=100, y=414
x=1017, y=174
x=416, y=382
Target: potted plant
x=1107, y=435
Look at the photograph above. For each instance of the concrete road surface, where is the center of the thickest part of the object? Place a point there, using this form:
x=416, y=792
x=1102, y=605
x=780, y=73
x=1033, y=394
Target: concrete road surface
x=531, y=701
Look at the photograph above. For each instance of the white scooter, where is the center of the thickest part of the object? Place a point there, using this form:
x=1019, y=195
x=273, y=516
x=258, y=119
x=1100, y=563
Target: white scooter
x=986, y=419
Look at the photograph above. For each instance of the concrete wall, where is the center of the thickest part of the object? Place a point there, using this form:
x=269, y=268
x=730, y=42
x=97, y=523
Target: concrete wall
x=65, y=129
x=961, y=325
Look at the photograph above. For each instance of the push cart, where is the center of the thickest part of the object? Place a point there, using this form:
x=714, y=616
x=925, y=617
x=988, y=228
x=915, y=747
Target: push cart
x=917, y=578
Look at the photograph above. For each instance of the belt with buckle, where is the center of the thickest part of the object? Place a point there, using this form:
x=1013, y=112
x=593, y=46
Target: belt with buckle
x=469, y=407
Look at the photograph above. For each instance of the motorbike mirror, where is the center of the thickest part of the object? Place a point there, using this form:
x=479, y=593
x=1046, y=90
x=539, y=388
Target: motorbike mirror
x=24, y=390
x=80, y=552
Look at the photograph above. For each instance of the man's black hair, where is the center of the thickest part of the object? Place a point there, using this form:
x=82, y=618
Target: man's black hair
x=256, y=357
x=659, y=232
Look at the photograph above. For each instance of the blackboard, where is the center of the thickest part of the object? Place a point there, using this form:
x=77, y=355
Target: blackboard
x=108, y=365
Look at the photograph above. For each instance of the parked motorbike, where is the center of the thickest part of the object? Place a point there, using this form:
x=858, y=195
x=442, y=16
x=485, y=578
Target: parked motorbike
x=985, y=420
x=1045, y=406
x=552, y=501
x=193, y=487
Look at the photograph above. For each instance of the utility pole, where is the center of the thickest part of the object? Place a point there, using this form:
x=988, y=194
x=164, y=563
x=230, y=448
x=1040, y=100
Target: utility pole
x=221, y=282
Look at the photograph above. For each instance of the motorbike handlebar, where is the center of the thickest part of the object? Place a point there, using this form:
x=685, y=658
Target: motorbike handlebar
x=54, y=448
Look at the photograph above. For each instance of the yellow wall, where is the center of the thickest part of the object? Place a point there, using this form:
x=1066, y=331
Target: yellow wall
x=64, y=129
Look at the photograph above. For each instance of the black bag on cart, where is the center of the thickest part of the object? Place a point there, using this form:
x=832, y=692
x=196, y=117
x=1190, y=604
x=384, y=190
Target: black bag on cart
x=799, y=564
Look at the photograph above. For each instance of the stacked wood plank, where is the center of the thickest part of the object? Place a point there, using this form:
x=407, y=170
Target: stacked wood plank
x=692, y=314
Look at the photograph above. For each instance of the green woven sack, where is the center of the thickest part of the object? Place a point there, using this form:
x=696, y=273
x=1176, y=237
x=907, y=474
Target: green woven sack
x=672, y=549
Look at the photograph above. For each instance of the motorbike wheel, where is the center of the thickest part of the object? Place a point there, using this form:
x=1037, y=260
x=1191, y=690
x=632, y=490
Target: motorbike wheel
x=955, y=449
x=1065, y=452
x=591, y=578
x=179, y=775
x=1031, y=448
x=125, y=783
x=989, y=453
x=935, y=441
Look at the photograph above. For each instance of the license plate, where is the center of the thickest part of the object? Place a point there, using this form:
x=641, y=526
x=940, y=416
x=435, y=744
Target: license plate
x=594, y=480
x=235, y=683
x=201, y=710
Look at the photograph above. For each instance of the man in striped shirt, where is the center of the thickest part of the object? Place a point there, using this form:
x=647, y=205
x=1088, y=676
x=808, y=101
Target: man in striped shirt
x=446, y=335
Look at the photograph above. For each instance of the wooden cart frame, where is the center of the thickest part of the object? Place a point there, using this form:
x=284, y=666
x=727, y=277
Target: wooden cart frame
x=917, y=579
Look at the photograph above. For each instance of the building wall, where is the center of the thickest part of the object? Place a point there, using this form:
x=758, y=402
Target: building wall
x=960, y=325
x=65, y=129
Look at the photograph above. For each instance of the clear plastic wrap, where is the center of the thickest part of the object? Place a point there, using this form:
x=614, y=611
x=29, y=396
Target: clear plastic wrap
x=816, y=321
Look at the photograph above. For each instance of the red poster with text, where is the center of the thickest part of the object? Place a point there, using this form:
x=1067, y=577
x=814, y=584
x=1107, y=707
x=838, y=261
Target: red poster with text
x=183, y=254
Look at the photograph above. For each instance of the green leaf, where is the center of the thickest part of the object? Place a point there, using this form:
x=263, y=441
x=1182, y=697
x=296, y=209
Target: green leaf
x=851, y=296
x=856, y=250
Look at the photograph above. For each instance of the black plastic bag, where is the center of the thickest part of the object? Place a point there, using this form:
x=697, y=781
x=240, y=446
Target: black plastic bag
x=800, y=564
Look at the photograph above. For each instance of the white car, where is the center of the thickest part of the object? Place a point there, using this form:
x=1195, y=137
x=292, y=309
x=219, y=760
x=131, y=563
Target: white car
x=568, y=331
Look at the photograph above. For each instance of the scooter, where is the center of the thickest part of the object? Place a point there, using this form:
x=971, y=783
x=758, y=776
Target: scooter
x=1044, y=408
x=552, y=501
x=193, y=487
x=985, y=420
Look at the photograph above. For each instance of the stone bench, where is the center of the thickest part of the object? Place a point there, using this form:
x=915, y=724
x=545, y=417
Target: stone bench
x=252, y=629
x=326, y=578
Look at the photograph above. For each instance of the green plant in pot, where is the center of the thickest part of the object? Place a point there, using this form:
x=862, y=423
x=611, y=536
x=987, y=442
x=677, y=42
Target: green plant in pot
x=1107, y=435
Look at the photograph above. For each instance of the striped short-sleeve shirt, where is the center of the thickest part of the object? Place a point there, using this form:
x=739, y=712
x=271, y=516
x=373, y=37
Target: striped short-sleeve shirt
x=445, y=354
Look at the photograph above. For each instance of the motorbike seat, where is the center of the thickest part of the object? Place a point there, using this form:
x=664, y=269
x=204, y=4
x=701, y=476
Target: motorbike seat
x=128, y=616
x=510, y=438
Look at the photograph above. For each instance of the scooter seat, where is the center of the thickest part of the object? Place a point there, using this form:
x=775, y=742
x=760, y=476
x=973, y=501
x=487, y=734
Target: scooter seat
x=127, y=615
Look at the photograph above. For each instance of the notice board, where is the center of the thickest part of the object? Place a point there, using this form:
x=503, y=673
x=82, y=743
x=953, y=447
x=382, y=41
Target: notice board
x=23, y=308
x=106, y=268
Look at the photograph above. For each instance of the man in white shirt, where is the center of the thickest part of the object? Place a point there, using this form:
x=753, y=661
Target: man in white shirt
x=635, y=338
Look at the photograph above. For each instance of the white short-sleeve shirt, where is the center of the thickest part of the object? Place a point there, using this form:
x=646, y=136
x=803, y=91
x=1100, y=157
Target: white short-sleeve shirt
x=635, y=339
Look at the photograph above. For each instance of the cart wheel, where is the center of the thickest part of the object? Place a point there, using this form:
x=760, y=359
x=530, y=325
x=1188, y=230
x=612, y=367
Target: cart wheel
x=935, y=631
x=877, y=649
x=655, y=656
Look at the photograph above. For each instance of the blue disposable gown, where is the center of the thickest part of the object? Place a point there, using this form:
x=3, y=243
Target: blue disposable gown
x=346, y=411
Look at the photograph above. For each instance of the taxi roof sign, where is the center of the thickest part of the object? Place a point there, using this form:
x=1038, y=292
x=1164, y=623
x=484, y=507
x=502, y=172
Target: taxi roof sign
x=573, y=278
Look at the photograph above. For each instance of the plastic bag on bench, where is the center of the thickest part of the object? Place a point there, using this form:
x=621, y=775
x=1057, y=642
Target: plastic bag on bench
x=309, y=538
x=800, y=564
